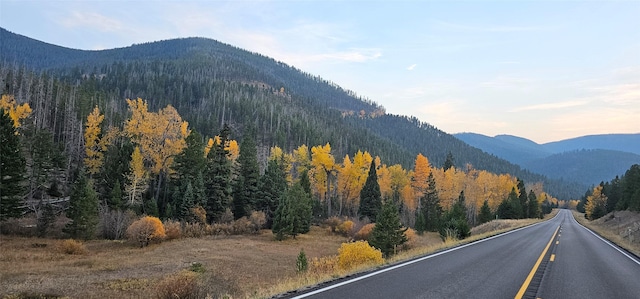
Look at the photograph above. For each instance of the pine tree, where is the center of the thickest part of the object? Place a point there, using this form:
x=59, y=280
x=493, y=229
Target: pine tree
x=449, y=162
x=455, y=220
x=510, y=207
x=12, y=169
x=533, y=207
x=522, y=197
x=115, y=197
x=83, y=209
x=217, y=182
x=370, y=197
x=430, y=206
x=272, y=185
x=245, y=189
x=485, y=213
x=293, y=215
x=388, y=232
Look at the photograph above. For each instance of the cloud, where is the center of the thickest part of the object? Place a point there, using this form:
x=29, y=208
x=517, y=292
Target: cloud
x=551, y=106
x=92, y=20
x=411, y=67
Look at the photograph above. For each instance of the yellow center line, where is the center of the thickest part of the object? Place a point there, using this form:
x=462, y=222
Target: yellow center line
x=527, y=281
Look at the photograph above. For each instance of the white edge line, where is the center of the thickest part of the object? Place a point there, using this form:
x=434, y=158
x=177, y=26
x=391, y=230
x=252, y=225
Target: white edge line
x=333, y=286
x=606, y=241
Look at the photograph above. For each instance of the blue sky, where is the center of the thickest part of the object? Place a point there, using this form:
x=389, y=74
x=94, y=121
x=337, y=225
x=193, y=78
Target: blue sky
x=543, y=70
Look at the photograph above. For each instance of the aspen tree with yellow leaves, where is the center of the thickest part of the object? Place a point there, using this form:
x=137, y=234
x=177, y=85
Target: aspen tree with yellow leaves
x=138, y=178
x=93, y=147
x=16, y=112
x=596, y=205
x=160, y=137
x=324, y=167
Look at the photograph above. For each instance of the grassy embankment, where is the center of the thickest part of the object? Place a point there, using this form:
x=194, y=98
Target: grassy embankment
x=253, y=266
x=615, y=227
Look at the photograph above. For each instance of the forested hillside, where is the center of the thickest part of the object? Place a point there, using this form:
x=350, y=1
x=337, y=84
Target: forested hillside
x=210, y=83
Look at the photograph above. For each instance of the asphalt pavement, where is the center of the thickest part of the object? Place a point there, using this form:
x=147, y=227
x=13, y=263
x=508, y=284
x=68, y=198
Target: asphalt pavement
x=557, y=258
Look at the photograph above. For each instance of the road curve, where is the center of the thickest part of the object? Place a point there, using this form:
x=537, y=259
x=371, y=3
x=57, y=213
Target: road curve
x=498, y=267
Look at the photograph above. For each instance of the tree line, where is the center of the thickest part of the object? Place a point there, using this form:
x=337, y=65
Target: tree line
x=621, y=193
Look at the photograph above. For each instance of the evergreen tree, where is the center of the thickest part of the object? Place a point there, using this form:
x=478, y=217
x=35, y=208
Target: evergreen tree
x=189, y=165
x=449, y=162
x=83, y=209
x=485, y=213
x=115, y=197
x=510, y=207
x=305, y=182
x=12, y=169
x=272, y=185
x=523, y=198
x=388, y=232
x=186, y=204
x=245, y=189
x=293, y=215
x=455, y=220
x=217, y=184
x=370, y=197
x=45, y=218
x=421, y=223
x=533, y=206
x=430, y=206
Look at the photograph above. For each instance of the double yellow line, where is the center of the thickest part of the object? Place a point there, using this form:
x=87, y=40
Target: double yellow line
x=527, y=281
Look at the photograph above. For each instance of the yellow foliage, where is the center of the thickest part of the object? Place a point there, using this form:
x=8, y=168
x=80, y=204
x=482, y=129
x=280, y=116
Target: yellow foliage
x=138, y=177
x=184, y=284
x=412, y=238
x=345, y=227
x=323, y=164
x=71, y=246
x=146, y=229
x=420, y=175
x=16, y=112
x=596, y=205
x=323, y=265
x=93, y=146
x=365, y=232
x=160, y=136
x=358, y=253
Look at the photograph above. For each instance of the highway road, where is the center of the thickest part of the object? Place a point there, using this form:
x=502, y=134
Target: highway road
x=557, y=258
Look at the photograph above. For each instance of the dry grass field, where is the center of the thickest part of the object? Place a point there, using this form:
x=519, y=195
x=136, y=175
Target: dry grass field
x=250, y=266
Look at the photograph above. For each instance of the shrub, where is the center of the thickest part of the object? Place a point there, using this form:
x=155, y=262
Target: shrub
x=345, y=228
x=223, y=229
x=358, y=253
x=258, y=220
x=242, y=226
x=199, y=214
x=333, y=223
x=194, y=230
x=327, y=264
x=113, y=223
x=226, y=217
x=364, y=232
x=172, y=229
x=412, y=238
x=145, y=230
x=71, y=246
x=183, y=285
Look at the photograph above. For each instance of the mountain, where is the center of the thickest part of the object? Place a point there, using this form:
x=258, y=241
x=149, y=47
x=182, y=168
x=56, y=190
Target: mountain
x=617, y=142
x=211, y=83
x=586, y=166
x=511, y=148
x=587, y=160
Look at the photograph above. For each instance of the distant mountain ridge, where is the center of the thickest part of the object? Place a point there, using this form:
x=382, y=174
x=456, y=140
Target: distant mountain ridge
x=587, y=159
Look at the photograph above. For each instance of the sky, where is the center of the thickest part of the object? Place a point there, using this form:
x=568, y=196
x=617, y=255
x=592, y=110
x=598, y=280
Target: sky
x=542, y=70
